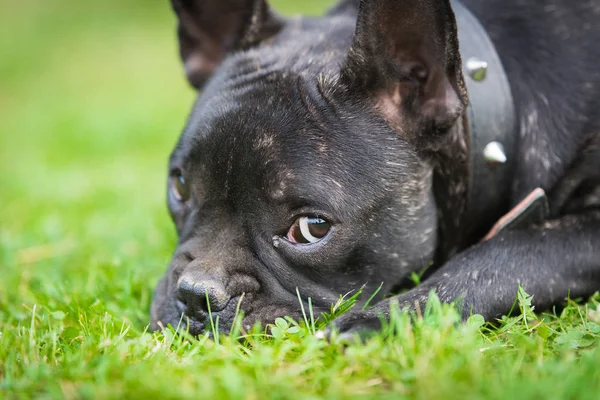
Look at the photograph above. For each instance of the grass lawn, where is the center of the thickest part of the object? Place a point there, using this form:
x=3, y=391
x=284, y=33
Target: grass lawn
x=92, y=98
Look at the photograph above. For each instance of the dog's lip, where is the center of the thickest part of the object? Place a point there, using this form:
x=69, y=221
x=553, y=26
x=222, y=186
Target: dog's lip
x=200, y=322
x=194, y=327
x=196, y=315
x=191, y=325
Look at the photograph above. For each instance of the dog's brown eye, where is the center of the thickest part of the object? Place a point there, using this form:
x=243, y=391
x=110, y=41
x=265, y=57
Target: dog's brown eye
x=181, y=189
x=308, y=230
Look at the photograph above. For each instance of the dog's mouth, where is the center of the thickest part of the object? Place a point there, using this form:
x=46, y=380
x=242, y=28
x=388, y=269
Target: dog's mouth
x=196, y=322
x=240, y=315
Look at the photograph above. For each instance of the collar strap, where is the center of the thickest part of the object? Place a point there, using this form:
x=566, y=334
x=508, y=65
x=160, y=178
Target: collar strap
x=533, y=209
x=491, y=120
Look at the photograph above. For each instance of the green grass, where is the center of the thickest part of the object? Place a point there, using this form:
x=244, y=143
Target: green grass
x=92, y=99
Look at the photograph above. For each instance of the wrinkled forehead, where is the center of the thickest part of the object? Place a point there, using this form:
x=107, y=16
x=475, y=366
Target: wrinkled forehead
x=279, y=135
x=278, y=123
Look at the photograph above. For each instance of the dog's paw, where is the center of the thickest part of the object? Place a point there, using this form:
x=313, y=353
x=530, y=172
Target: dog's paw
x=352, y=327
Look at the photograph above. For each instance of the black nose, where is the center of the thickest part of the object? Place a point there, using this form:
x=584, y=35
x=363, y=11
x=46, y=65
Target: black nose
x=197, y=295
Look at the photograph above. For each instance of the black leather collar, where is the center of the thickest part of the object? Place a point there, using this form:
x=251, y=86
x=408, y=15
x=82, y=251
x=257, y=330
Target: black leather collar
x=491, y=120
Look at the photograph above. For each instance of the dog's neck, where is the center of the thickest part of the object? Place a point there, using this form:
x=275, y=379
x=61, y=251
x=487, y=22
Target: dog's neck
x=475, y=171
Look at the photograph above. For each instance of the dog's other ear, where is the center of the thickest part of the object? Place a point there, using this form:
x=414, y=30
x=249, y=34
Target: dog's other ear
x=405, y=58
x=209, y=29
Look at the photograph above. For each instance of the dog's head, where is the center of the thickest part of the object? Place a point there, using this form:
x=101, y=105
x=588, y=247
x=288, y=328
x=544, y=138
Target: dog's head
x=304, y=165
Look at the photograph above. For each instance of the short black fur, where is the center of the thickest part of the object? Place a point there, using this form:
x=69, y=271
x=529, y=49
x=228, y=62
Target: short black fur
x=358, y=118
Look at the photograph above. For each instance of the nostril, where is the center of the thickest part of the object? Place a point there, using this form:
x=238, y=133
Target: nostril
x=202, y=295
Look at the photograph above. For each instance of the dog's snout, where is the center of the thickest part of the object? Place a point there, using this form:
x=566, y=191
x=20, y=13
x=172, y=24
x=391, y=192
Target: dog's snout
x=202, y=295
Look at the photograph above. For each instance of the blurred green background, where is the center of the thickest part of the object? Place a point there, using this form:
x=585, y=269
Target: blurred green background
x=92, y=99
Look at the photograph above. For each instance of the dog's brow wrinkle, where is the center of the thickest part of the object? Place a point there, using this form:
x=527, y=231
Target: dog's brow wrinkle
x=325, y=86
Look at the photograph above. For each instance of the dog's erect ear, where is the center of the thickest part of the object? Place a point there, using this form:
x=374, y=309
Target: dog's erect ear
x=405, y=57
x=209, y=29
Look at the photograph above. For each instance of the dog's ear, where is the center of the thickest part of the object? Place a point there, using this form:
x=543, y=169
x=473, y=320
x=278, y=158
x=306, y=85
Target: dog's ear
x=209, y=29
x=405, y=58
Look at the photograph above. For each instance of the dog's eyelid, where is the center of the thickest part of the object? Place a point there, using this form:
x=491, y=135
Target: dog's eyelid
x=303, y=208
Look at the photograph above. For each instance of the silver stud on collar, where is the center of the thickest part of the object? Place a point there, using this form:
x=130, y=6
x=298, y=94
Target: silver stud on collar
x=477, y=69
x=494, y=153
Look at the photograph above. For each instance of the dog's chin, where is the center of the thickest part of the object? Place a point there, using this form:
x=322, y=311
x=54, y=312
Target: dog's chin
x=167, y=314
x=200, y=323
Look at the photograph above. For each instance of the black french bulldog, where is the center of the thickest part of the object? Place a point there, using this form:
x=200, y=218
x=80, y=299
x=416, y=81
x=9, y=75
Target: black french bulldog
x=329, y=153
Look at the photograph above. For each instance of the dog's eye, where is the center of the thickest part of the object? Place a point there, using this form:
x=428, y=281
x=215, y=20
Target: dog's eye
x=179, y=186
x=308, y=230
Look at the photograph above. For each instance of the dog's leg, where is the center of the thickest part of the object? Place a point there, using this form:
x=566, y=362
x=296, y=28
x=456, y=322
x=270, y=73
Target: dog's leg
x=551, y=261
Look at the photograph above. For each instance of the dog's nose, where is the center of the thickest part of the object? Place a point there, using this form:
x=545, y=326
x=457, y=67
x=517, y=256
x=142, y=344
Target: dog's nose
x=197, y=295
